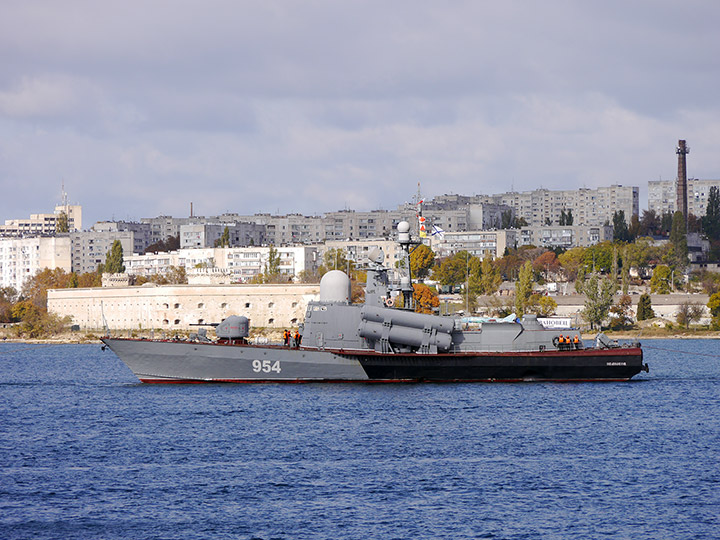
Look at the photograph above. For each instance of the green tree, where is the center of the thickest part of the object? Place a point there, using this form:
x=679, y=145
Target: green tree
x=644, y=308
x=660, y=282
x=598, y=258
x=620, y=228
x=490, y=278
x=711, y=219
x=523, y=288
x=114, y=263
x=335, y=259
x=224, y=240
x=272, y=266
x=678, y=239
x=714, y=307
x=599, y=294
x=422, y=260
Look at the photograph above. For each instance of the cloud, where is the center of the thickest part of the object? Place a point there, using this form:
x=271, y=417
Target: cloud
x=255, y=107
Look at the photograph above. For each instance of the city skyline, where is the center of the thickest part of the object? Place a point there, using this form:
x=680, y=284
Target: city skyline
x=245, y=107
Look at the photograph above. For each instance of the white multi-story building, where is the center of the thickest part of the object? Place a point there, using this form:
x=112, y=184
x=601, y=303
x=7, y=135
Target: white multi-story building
x=477, y=243
x=43, y=224
x=22, y=258
x=589, y=206
x=662, y=195
x=241, y=263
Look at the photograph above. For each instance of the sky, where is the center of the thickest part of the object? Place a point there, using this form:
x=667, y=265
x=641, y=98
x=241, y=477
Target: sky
x=140, y=108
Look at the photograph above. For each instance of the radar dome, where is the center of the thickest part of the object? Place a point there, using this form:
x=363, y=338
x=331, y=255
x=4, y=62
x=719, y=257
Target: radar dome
x=403, y=227
x=376, y=255
x=335, y=287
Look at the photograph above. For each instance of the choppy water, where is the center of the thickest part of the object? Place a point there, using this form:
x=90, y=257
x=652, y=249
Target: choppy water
x=87, y=452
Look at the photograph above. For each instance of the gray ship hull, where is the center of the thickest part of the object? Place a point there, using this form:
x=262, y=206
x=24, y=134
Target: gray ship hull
x=193, y=362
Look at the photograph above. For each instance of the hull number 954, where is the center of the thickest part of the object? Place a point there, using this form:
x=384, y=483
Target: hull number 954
x=266, y=366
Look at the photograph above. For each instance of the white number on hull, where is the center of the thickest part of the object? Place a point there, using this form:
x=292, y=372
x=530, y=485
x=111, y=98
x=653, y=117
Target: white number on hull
x=266, y=366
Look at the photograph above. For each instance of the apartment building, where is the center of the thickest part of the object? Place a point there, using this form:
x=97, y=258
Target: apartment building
x=662, y=195
x=22, y=258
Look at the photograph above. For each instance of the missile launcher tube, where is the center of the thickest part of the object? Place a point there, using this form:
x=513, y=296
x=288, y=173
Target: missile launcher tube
x=404, y=335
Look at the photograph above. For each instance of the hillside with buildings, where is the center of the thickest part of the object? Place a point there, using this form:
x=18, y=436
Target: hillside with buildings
x=234, y=249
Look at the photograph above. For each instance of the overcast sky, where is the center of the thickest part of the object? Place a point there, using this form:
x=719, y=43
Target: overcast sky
x=313, y=106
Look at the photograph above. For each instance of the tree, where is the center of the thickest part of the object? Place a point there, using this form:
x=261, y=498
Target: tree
x=688, y=313
x=599, y=257
x=644, y=308
x=660, y=280
x=224, y=240
x=453, y=271
x=714, y=307
x=678, y=239
x=523, y=288
x=114, y=259
x=620, y=228
x=546, y=263
x=619, y=314
x=426, y=299
x=490, y=278
x=422, y=260
x=546, y=306
x=711, y=219
x=335, y=259
x=272, y=266
x=8, y=296
x=571, y=261
x=62, y=225
x=171, y=243
x=599, y=294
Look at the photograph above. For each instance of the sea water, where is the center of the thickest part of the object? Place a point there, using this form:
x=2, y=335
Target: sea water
x=88, y=452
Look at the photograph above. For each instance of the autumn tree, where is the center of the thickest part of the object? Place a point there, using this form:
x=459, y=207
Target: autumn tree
x=8, y=296
x=62, y=225
x=547, y=264
x=619, y=314
x=426, y=299
x=571, y=261
x=422, y=260
x=688, y=313
x=660, y=282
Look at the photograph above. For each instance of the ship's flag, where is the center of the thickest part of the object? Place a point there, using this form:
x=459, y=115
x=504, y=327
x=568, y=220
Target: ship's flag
x=437, y=231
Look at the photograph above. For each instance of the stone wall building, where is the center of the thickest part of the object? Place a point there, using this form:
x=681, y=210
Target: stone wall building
x=172, y=308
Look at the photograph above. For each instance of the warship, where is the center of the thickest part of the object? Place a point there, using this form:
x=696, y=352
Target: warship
x=378, y=341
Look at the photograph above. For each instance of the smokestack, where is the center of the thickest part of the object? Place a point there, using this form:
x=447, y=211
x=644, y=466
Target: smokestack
x=191, y=214
x=681, y=200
